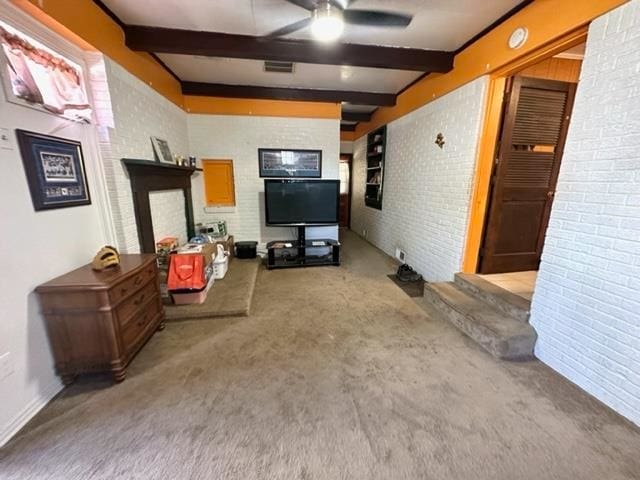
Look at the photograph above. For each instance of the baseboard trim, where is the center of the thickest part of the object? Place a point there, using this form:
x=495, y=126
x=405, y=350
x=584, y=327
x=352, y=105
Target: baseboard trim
x=33, y=407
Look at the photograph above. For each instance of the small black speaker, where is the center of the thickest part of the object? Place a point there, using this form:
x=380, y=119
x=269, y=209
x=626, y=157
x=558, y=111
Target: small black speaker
x=246, y=249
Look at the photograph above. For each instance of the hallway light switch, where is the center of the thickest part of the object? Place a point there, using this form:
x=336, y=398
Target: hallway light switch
x=5, y=139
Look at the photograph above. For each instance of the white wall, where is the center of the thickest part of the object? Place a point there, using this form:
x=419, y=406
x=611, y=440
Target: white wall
x=346, y=147
x=587, y=298
x=238, y=138
x=427, y=190
x=139, y=113
x=168, y=215
x=36, y=247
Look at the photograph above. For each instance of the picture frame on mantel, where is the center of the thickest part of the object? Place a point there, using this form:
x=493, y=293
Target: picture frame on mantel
x=280, y=163
x=55, y=170
x=162, y=151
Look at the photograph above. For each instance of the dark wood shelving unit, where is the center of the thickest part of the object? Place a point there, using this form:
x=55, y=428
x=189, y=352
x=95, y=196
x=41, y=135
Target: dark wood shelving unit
x=376, y=152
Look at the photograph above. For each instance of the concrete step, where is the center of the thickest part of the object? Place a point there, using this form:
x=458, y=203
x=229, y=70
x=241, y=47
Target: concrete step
x=513, y=305
x=501, y=335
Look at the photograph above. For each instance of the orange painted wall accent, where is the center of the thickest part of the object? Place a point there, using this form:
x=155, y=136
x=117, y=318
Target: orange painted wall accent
x=482, y=177
x=264, y=108
x=562, y=69
x=87, y=25
x=219, y=186
x=489, y=136
x=84, y=23
x=347, y=136
x=546, y=21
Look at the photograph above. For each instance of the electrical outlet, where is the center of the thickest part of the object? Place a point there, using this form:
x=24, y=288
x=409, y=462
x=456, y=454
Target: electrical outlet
x=5, y=139
x=364, y=232
x=6, y=366
x=401, y=255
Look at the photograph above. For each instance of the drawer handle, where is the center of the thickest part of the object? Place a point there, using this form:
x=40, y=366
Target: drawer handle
x=139, y=300
x=139, y=279
x=143, y=321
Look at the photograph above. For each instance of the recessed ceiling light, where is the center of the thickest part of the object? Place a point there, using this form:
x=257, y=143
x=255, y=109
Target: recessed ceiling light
x=328, y=23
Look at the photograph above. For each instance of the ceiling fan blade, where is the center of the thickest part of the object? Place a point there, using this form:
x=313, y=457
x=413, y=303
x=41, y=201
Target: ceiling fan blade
x=376, y=18
x=306, y=4
x=287, y=29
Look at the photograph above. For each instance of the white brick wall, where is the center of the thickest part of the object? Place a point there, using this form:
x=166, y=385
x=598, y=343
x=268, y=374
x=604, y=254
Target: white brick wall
x=346, y=147
x=139, y=112
x=238, y=138
x=586, y=306
x=168, y=215
x=27, y=377
x=427, y=191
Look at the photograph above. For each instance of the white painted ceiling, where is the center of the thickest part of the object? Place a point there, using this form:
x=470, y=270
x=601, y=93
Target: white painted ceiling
x=349, y=107
x=437, y=25
x=237, y=71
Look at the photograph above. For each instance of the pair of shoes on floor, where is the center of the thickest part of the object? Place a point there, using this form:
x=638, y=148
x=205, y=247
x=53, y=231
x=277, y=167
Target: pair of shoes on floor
x=407, y=274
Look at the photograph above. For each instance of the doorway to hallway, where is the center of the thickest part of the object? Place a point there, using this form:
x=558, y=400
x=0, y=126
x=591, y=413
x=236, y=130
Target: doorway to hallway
x=535, y=120
x=345, y=190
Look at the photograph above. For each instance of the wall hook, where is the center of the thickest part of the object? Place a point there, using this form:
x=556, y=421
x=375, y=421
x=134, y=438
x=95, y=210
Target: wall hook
x=440, y=140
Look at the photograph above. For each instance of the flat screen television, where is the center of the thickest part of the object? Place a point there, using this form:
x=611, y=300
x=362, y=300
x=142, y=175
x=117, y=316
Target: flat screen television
x=301, y=202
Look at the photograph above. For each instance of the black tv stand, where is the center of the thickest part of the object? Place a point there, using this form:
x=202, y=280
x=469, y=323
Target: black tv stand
x=301, y=259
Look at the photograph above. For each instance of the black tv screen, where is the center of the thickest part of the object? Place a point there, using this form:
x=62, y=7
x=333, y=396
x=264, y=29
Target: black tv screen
x=302, y=202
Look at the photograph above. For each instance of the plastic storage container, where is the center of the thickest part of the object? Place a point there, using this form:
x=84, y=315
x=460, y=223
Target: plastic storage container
x=221, y=263
x=194, y=297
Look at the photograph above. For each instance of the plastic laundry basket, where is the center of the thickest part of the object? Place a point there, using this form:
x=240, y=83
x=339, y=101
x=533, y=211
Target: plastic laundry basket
x=221, y=263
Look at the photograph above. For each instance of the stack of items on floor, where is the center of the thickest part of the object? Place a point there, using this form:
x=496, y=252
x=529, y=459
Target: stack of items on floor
x=191, y=269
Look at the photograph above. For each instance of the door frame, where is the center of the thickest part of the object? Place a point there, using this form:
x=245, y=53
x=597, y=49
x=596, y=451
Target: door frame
x=496, y=188
x=489, y=139
x=349, y=158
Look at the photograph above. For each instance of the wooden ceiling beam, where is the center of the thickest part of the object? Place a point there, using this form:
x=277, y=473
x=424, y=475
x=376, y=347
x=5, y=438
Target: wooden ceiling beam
x=356, y=116
x=348, y=127
x=215, y=44
x=280, y=93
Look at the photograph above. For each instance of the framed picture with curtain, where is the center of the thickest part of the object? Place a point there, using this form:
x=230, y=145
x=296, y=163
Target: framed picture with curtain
x=36, y=76
x=55, y=170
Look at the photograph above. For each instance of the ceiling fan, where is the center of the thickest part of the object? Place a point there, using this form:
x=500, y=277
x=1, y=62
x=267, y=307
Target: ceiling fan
x=328, y=18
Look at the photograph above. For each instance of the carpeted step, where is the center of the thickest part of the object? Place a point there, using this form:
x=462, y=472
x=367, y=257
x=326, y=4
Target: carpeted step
x=501, y=335
x=509, y=303
x=229, y=297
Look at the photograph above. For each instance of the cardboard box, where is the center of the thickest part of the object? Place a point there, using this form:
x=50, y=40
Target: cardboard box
x=208, y=250
x=163, y=248
x=227, y=245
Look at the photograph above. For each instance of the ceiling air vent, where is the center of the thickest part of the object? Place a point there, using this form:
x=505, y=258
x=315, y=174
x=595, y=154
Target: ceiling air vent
x=279, y=67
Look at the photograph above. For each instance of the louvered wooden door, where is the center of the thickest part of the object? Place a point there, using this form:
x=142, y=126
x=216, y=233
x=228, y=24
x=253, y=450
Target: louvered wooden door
x=534, y=129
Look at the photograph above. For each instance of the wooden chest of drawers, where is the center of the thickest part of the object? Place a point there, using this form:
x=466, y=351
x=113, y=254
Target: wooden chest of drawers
x=97, y=321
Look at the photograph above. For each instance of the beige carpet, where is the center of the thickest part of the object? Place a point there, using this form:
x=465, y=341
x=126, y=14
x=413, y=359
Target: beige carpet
x=336, y=374
x=229, y=296
x=413, y=289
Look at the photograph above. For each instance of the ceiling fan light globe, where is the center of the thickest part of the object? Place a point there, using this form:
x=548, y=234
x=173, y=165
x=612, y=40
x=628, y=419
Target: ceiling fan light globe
x=328, y=24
